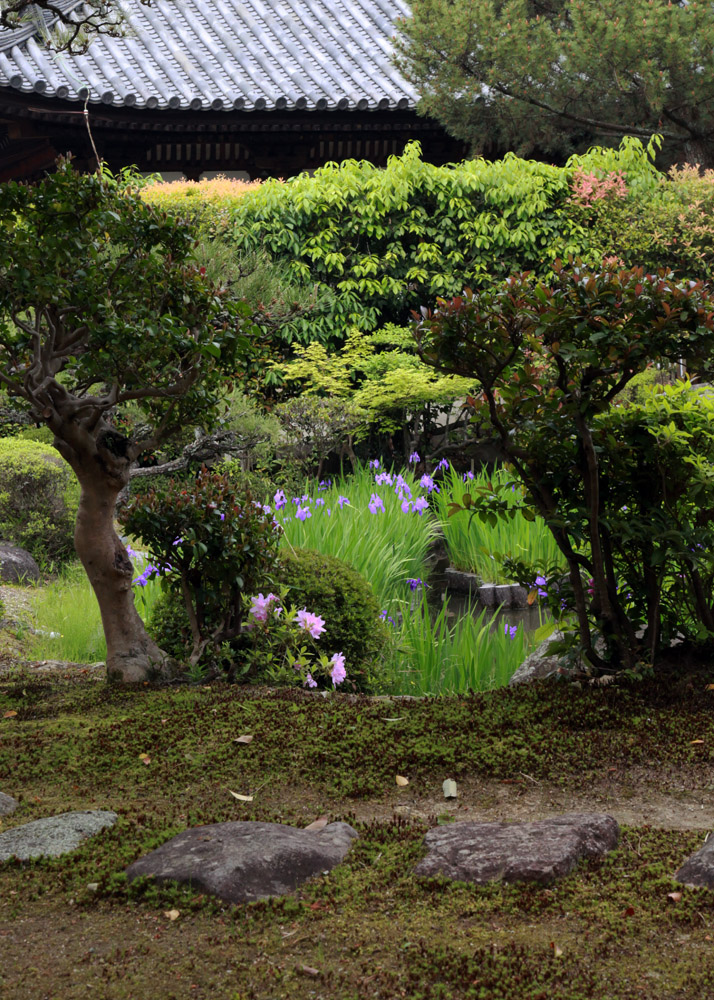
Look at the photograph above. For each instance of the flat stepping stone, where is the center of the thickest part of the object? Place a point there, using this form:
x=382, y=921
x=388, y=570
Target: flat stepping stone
x=698, y=871
x=517, y=852
x=8, y=805
x=54, y=835
x=243, y=861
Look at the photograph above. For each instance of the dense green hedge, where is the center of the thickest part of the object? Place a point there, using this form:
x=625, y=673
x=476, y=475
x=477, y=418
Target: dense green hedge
x=390, y=240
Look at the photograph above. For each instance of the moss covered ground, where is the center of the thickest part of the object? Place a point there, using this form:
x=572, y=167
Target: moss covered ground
x=71, y=927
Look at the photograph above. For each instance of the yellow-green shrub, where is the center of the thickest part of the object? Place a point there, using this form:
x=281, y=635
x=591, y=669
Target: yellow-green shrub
x=39, y=496
x=209, y=204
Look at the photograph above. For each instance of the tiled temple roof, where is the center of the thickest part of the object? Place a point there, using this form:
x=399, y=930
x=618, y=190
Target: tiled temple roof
x=225, y=55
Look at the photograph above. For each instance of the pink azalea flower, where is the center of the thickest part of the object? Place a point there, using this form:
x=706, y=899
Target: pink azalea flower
x=338, y=673
x=311, y=623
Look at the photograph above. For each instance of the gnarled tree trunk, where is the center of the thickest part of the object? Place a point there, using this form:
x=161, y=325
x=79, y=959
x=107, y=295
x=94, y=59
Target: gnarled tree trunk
x=132, y=655
x=102, y=467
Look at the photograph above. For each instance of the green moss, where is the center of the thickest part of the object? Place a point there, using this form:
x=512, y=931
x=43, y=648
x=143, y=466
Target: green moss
x=370, y=929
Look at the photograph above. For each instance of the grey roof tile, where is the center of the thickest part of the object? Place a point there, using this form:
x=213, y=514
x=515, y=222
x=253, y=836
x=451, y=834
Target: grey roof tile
x=204, y=54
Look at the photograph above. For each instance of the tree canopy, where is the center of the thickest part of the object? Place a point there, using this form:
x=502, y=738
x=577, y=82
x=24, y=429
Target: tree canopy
x=102, y=305
x=556, y=75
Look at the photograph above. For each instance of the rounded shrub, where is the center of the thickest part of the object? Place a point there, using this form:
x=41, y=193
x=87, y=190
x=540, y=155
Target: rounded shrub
x=322, y=584
x=331, y=588
x=39, y=496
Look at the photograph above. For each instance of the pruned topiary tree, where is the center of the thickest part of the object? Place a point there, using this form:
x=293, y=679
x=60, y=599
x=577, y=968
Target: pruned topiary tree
x=101, y=304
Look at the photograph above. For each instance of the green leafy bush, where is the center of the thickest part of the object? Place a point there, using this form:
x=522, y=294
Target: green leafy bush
x=328, y=587
x=670, y=225
x=214, y=545
x=323, y=585
x=550, y=359
x=39, y=497
x=388, y=240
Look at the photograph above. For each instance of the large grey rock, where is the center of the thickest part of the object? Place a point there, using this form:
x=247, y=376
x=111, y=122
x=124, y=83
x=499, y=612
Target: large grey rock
x=244, y=861
x=699, y=869
x=513, y=852
x=55, y=835
x=17, y=565
x=7, y=804
x=539, y=664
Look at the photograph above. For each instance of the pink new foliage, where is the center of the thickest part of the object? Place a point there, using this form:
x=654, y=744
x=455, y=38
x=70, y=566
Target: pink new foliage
x=588, y=187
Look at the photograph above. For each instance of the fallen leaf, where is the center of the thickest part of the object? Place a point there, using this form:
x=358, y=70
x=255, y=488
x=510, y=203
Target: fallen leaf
x=557, y=952
x=402, y=781
x=172, y=914
x=241, y=798
x=318, y=824
x=9, y=715
x=144, y=758
x=397, y=718
x=674, y=896
x=709, y=687
x=629, y=912
x=243, y=739
x=92, y=886
x=308, y=970
x=693, y=742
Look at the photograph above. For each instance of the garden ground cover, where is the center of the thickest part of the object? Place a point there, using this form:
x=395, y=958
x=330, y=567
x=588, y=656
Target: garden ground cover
x=643, y=751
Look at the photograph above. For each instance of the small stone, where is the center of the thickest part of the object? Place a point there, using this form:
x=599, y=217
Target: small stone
x=539, y=664
x=244, y=860
x=511, y=852
x=698, y=870
x=54, y=835
x=8, y=805
x=449, y=789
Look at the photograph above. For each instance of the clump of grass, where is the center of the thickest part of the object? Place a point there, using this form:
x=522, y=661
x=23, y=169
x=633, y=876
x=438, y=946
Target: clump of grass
x=480, y=548
x=432, y=656
x=67, y=622
x=386, y=546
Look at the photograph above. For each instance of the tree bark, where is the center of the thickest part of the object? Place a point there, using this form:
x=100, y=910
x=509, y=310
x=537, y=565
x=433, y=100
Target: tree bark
x=132, y=655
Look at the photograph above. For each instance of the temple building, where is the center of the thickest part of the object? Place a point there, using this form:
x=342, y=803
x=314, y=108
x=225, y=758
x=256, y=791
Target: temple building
x=249, y=88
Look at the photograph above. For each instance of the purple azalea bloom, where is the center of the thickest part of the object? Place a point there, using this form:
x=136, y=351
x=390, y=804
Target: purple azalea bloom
x=510, y=630
x=374, y=464
x=338, y=672
x=414, y=457
x=311, y=623
x=420, y=505
x=280, y=500
x=375, y=503
x=415, y=582
x=310, y=682
x=260, y=606
x=302, y=513
x=342, y=501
